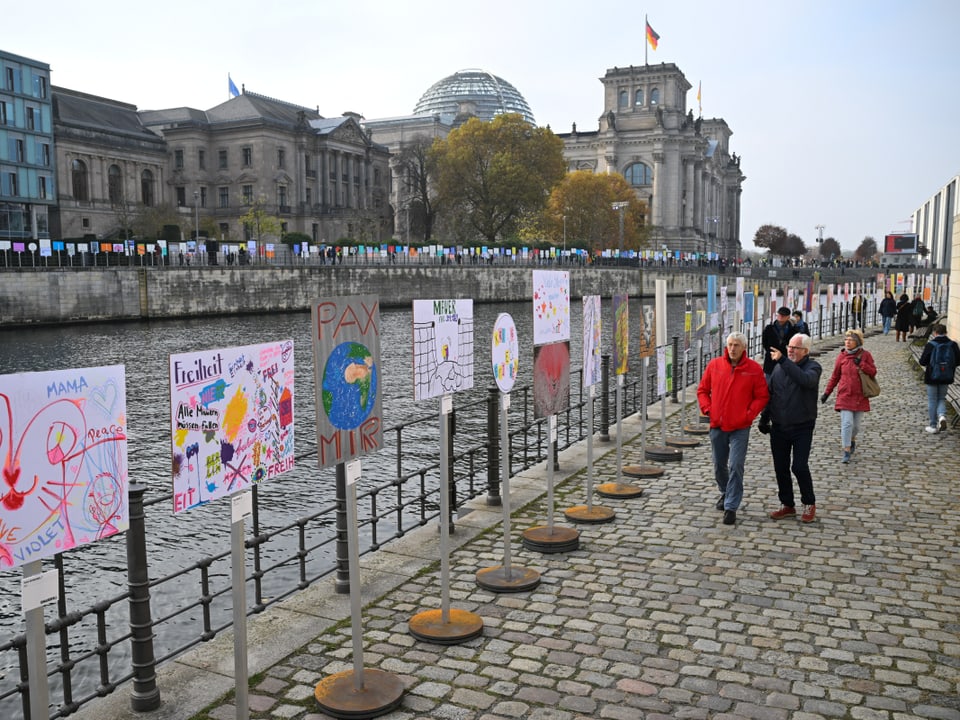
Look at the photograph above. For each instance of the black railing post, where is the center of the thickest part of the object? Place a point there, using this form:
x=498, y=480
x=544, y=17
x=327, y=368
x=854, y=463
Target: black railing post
x=605, y=398
x=342, y=582
x=676, y=363
x=146, y=694
x=493, y=446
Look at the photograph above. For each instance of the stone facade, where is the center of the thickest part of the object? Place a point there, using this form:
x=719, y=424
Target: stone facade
x=679, y=165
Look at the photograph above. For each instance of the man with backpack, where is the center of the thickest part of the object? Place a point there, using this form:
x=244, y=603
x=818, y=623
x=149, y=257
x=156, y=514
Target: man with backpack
x=940, y=357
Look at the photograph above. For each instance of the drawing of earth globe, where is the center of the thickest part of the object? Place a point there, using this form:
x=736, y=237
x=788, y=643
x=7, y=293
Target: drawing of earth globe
x=349, y=387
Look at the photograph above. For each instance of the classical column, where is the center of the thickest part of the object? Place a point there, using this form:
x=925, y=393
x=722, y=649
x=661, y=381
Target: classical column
x=689, y=192
x=656, y=209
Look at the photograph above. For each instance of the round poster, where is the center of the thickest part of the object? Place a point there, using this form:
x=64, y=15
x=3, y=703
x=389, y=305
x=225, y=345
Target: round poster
x=505, y=352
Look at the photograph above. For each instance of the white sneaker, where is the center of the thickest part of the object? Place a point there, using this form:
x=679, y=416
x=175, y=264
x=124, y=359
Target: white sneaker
x=931, y=429
x=943, y=422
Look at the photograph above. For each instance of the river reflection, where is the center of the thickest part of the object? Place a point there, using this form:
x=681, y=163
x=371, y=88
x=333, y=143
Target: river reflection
x=97, y=572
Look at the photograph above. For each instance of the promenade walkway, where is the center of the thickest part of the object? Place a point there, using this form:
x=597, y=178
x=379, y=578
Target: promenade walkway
x=664, y=612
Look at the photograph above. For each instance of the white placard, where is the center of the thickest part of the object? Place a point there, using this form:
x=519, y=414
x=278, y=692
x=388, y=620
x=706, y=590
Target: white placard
x=39, y=591
x=505, y=401
x=446, y=404
x=241, y=506
x=591, y=391
x=552, y=422
x=619, y=380
x=352, y=469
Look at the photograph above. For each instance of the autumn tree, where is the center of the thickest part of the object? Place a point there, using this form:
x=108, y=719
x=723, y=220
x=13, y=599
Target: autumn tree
x=413, y=168
x=778, y=241
x=586, y=200
x=148, y=221
x=260, y=222
x=867, y=250
x=792, y=246
x=830, y=249
x=489, y=175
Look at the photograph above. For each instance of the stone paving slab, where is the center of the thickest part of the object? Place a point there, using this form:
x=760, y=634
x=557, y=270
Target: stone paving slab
x=664, y=612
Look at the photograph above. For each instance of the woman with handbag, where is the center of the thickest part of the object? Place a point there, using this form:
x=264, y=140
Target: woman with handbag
x=851, y=401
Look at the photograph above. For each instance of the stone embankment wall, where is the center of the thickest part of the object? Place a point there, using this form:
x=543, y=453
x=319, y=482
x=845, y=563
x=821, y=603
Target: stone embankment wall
x=71, y=296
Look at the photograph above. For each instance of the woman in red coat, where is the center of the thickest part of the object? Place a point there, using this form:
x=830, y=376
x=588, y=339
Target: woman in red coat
x=850, y=403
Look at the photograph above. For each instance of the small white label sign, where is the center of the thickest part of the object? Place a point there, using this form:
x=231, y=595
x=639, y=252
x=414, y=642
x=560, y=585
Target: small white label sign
x=241, y=506
x=39, y=591
x=353, y=472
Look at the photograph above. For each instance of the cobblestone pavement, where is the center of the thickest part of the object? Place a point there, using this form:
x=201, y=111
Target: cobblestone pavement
x=667, y=613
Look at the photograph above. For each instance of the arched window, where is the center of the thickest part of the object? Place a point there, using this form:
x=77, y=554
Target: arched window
x=638, y=100
x=115, y=185
x=146, y=188
x=624, y=99
x=655, y=96
x=81, y=185
x=638, y=174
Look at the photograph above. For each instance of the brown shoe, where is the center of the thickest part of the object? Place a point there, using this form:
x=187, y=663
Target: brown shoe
x=783, y=512
x=809, y=513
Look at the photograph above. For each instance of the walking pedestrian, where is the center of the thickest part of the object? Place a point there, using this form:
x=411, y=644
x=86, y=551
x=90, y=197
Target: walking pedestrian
x=888, y=311
x=904, y=317
x=733, y=392
x=857, y=310
x=776, y=335
x=799, y=325
x=939, y=358
x=790, y=418
x=850, y=402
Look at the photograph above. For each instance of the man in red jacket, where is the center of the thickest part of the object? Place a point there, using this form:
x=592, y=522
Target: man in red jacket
x=733, y=391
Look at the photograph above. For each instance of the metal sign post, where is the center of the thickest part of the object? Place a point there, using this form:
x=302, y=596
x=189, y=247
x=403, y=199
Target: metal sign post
x=241, y=507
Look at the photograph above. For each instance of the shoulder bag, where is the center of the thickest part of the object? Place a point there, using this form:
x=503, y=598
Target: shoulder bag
x=869, y=385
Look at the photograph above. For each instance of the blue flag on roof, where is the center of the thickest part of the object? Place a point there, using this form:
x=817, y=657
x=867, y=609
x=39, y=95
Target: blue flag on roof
x=232, y=87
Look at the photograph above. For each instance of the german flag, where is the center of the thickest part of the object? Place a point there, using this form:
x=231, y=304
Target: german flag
x=652, y=36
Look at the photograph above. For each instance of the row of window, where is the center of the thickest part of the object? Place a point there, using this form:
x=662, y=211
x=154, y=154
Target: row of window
x=33, y=117
x=13, y=81
x=222, y=159
x=11, y=186
x=80, y=182
x=20, y=150
x=623, y=100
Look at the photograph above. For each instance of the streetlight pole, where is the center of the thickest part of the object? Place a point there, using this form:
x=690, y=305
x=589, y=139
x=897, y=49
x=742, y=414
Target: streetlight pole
x=564, y=234
x=619, y=207
x=196, y=210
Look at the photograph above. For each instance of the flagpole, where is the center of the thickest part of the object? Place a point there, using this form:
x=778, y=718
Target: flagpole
x=646, y=43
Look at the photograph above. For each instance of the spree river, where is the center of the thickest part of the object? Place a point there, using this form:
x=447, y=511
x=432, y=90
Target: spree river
x=174, y=542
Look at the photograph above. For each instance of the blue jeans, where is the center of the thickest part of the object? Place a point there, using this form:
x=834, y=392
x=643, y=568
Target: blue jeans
x=729, y=454
x=798, y=439
x=886, y=325
x=936, y=402
x=849, y=427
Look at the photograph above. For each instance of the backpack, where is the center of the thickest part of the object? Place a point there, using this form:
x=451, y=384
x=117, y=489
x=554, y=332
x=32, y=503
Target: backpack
x=943, y=363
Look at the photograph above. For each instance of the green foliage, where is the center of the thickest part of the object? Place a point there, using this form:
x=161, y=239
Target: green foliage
x=260, y=222
x=489, y=175
x=296, y=238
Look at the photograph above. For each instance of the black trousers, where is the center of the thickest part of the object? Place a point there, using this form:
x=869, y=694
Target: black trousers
x=794, y=440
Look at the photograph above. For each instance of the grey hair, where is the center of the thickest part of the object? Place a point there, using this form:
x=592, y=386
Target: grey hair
x=804, y=340
x=738, y=337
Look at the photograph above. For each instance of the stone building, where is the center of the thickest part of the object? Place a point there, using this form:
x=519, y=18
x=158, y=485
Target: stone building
x=679, y=165
x=108, y=166
x=323, y=177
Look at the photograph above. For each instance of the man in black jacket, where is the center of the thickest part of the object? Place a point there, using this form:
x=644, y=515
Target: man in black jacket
x=776, y=335
x=790, y=418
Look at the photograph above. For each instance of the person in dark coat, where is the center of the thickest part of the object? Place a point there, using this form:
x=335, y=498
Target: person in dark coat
x=937, y=387
x=904, y=317
x=790, y=417
x=776, y=335
x=888, y=311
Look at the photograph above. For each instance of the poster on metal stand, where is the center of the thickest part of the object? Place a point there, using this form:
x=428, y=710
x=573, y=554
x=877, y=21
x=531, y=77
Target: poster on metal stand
x=592, y=372
x=551, y=391
x=347, y=384
x=683, y=441
x=65, y=484
x=442, y=365
x=648, y=342
x=505, y=359
x=231, y=428
x=662, y=452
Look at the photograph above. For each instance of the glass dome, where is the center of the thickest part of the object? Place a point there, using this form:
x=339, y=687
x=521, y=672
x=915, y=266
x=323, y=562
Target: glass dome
x=488, y=95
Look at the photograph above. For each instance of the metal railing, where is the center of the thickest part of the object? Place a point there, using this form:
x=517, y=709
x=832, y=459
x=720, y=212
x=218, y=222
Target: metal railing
x=291, y=557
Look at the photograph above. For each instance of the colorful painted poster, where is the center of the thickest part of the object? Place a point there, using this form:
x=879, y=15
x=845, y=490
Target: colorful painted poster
x=687, y=318
x=648, y=330
x=505, y=352
x=711, y=294
x=64, y=447
x=621, y=334
x=748, y=307
x=346, y=366
x=592, y=341
x=442, y=347
x=661, y=371
x=700, y=317
x=231, y=420
x=551, y=306
x=551, y=379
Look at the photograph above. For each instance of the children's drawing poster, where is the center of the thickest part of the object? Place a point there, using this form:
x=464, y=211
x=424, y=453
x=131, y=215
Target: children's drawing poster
x=63, y=438
x=621, y=334
x=648, y=330
x=592, y=355
x=505, y=352
x=551, y=379
x=231, y=420
x=551, y=306
x=442, y=347
x=346, y=365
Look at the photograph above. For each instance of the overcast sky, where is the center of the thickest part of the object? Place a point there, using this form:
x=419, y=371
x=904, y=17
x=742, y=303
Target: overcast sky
x=844, y=112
